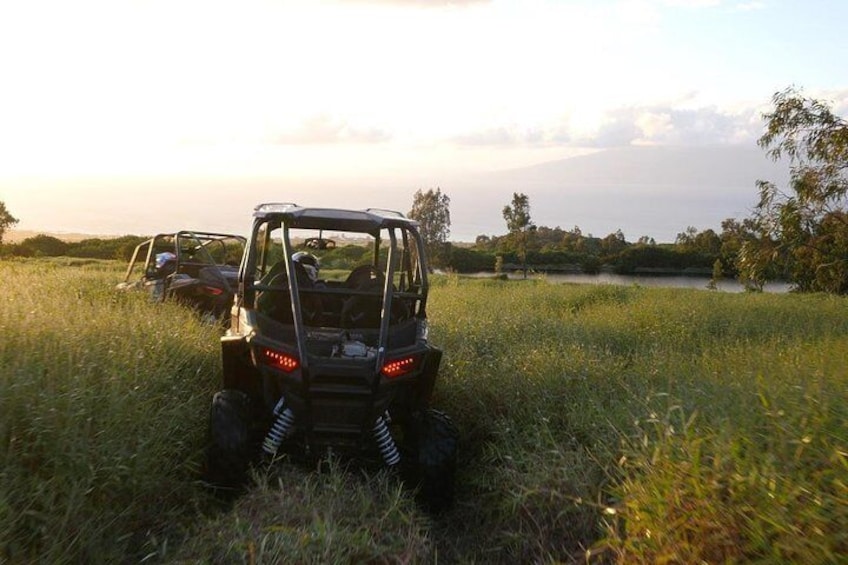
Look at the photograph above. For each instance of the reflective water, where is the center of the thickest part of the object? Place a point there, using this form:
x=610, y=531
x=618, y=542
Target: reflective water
x=726, y=285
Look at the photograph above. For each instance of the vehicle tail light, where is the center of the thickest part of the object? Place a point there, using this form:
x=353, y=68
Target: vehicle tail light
x=212, y=290
x=400, y=366
x=278, y=359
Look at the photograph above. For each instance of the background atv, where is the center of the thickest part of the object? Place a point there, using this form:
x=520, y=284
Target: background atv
x=199, y=269
x=340, y=363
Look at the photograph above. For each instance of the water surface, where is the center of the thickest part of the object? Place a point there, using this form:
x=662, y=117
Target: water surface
x=673, y=281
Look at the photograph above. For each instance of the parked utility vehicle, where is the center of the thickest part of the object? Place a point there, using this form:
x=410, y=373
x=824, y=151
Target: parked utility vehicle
x=198, y=269
x=323, y=357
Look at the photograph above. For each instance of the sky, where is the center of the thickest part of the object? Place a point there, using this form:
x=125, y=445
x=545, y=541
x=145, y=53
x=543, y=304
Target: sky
x=145, y=116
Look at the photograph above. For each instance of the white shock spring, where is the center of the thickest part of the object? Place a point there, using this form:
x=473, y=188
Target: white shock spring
x=386, y=443
x=280, y=429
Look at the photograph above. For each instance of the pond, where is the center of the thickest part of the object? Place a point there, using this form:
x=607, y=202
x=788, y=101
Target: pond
x=666, y=281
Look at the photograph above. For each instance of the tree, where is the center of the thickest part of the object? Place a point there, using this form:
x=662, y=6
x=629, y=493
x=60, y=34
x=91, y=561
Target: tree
x=7, y=220
x=517, y=216
x=733, y=236
x=686, y=240
x=43, y=245
x=707, y=242
x=718, y=274
x=613, y=243
x=803, y=230
x=432, y=211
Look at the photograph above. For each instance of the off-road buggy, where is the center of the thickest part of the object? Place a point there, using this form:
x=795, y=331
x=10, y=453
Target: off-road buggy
x=339, y=362
x=198, y=269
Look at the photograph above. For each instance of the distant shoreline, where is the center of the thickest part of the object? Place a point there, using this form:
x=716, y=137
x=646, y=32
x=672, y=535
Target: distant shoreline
x=17, y=236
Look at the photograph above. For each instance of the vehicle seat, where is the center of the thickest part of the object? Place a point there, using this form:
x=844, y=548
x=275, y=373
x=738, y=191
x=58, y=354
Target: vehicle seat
x=360, y=311
x=277, y=303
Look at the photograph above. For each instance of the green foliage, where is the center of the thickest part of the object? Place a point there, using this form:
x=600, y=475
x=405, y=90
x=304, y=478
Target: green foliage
x=803, y=232
x=42, y=246
x=718, y=274
x=432, y=211
x=554, y=249
x=734, y=235
x=7, y=220
x=517, y=216
x=706, y=242
x=662, y=258
x=464, y=260
x=517, y=213
x=345, y=256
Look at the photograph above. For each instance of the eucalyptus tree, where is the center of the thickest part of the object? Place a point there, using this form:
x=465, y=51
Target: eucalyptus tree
x=803, y=227
x=7, y=220
x=517, y=216
x=432, y=211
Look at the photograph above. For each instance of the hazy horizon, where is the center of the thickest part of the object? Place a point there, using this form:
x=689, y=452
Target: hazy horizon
x=651, y=191
x=156, y=116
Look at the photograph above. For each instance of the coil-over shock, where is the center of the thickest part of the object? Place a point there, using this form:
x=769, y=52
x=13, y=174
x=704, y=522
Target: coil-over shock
x=385, y=442
x=280, y=429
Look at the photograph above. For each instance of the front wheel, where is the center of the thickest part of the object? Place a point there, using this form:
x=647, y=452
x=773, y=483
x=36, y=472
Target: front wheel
x=229, y=452
x=435, y=438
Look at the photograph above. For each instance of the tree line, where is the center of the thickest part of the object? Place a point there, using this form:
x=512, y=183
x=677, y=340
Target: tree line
x=527, y=246
x=546, y=249
x=797, y=233
x=42, y=245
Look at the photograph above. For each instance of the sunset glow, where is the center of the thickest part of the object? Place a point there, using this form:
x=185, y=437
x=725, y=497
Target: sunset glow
x=175, y=95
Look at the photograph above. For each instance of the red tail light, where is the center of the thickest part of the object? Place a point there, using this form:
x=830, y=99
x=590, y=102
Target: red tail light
x=400, y=366
x=279, y=360
x=212, y=290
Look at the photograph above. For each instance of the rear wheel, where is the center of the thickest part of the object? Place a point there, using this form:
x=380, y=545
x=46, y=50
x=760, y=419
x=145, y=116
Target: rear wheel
x=435, y=438
x=229, y=452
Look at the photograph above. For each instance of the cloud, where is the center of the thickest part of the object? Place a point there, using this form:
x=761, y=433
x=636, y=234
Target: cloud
x=324, y=129
x=667, y=125
x=504, y=137
x=679, y=122
x=659, y=124
x=836, y=99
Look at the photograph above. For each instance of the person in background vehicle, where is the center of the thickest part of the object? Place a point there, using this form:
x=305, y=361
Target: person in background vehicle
x=313, y=306
x=165, y=263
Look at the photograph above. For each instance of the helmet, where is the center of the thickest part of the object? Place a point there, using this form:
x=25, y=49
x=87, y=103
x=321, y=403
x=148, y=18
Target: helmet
x=162, y=258
x=309, y=262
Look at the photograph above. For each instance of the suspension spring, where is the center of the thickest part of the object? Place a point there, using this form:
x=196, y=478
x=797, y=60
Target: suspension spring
x=386, y=443
x=280, y=429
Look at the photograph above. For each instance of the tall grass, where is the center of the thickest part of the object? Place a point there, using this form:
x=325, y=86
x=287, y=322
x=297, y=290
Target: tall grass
x=102, y=399
x=620, y=424
x=649, y=425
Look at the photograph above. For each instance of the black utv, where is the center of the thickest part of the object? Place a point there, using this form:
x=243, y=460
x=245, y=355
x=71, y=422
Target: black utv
x=195, y=268
x=328, y=350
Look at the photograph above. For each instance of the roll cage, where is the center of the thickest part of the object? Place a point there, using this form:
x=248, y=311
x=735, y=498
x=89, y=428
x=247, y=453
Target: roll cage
x=396, y=252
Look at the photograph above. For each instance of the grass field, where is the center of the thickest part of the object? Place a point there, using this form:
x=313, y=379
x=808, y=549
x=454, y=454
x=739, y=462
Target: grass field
x=599, y=423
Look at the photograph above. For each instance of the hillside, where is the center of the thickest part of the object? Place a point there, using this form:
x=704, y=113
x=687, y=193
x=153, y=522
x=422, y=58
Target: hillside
x=654, y=191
